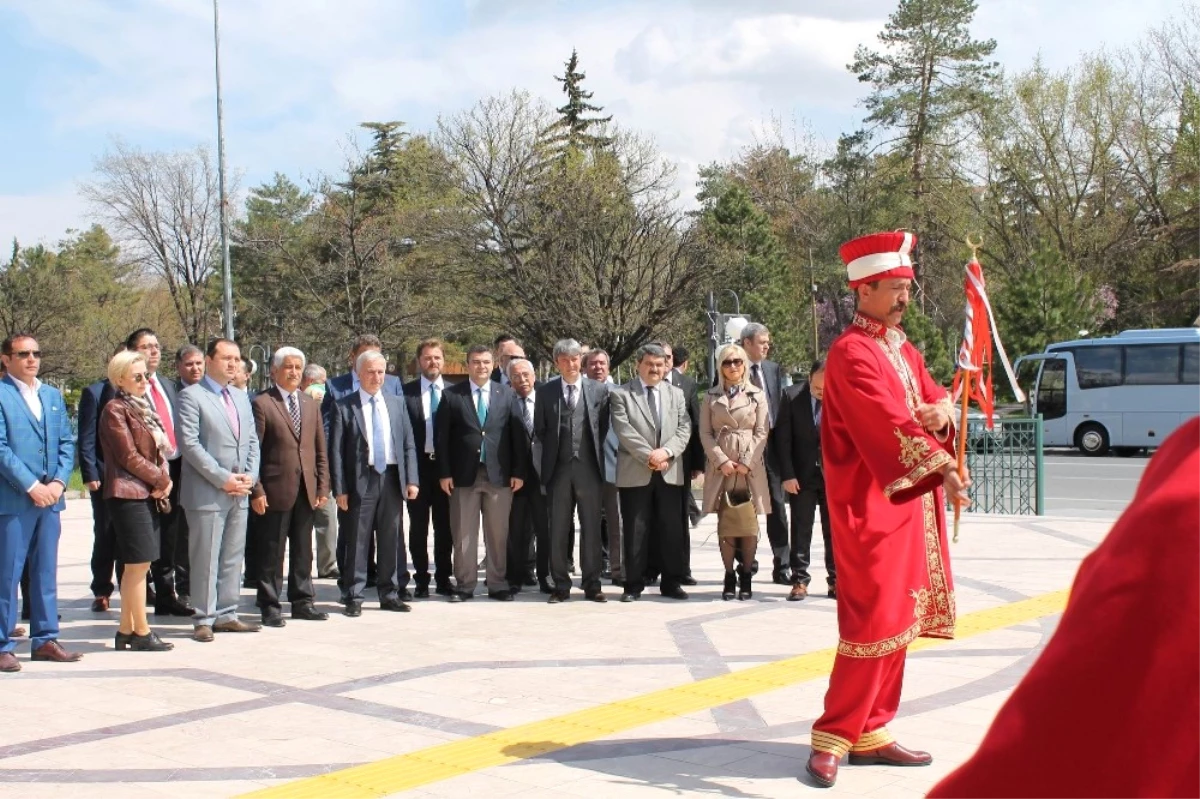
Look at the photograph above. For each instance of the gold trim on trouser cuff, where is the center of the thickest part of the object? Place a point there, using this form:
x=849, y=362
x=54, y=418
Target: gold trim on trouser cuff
x=873, y=740
x=828, y=742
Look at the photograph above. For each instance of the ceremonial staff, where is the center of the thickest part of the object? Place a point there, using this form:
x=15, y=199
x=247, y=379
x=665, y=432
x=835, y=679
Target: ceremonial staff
x=973, y=380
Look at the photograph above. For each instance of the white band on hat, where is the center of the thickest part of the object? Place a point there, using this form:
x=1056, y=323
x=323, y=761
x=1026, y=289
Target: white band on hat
x=863, y=267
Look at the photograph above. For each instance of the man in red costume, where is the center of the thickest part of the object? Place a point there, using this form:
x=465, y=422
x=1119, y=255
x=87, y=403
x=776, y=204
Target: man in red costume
x=1125, y=656
x=886, y=437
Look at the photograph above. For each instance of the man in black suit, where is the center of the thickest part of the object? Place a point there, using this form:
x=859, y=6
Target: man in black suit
x=506, y=348
x=528, y=521
x=373, y=469
x=423, y=397
x=798, y=433
x=479, y=466
x=570, y=422
x=91, y=467
x=171, y=574
x=766, y=374
x=693, y=459
x=345, y=385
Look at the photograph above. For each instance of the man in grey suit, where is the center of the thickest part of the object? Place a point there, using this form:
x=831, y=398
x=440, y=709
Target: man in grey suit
x=219, y=446
x=570, y=422
x=650, y=418
x=373, y=468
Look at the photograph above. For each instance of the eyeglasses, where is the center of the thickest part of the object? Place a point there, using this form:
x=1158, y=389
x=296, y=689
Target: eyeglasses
x=141, y=377
x=735, y=362
x=28, y=354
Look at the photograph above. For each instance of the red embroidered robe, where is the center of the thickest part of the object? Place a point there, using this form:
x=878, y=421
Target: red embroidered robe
x=883, y=483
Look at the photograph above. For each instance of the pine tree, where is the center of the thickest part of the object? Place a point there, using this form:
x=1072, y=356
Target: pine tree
x=573, y=130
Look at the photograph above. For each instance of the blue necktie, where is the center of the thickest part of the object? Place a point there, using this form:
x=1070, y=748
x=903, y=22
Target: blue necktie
x=481, y=414
x=435, y=398
x=377, y=439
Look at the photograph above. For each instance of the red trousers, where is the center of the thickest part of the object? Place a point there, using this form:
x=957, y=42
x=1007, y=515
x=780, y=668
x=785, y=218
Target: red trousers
x=863, y=696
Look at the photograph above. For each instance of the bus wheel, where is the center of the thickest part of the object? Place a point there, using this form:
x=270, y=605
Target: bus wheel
x=1092, y=439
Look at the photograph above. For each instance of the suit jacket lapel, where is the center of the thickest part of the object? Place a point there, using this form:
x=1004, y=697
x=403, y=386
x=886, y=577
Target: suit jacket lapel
x=25, y=405
x=360, y=418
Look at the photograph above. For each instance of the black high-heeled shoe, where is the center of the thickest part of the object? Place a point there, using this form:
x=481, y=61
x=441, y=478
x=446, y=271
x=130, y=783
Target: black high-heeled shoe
x=744, y=591
x=150, y=642
x=730, y=589
x=122, y=640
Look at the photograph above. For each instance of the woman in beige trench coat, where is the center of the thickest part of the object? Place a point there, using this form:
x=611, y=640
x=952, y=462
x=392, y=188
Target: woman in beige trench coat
x=733, y=429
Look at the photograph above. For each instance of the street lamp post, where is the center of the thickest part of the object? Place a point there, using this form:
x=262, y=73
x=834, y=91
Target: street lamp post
x=226, y=274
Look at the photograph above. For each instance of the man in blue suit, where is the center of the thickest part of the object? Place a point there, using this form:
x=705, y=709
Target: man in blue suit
x=220, y=467
x=373, y=469
x=343, y=386
x=37, y=453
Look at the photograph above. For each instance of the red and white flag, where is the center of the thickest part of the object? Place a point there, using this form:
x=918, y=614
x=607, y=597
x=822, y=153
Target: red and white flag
x=975, y=354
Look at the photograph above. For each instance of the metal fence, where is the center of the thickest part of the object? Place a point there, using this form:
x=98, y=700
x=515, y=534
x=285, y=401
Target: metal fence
x=1006, y=466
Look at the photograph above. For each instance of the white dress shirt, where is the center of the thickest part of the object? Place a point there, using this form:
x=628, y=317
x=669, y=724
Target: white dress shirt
x=30, y=395
x=578, y=384
x=166, y=400
x=369, y=426
x=528, y=403
x=425, y=405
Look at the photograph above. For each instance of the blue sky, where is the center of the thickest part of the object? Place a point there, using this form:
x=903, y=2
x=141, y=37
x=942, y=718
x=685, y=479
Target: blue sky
x=703, y=77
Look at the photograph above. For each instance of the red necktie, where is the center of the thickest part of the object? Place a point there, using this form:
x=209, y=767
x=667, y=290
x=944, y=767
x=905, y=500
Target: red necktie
x=164, y=413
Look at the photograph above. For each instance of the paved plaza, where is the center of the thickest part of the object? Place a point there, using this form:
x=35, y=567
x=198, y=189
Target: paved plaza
x=486, y=699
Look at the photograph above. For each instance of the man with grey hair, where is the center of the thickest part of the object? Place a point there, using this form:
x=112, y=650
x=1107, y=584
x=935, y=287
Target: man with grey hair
x=650, y=418
x=293, y=483
x=766, y=375
x=570, y=422
x=324, y=517
x=373, y=469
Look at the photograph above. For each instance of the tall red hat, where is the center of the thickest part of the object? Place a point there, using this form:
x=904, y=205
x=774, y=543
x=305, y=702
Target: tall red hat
x=877, y=256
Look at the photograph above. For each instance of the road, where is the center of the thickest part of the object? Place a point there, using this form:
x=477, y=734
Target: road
x=1077, y=485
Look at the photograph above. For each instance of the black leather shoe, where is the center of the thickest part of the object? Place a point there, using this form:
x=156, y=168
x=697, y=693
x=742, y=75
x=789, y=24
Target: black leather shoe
x=514, y=588
x=444, y=590
x=273, y=620
x=171, y=606
x=500, y=596
x=630, y=597
x=530, y=581
x=406, y=595
x=394, y=605
x=150, y=642
x=832, y=592
x=688, y=580
x=308, y=613
x=559, y=597
x=422, y=592
x=100, y=604
x=353, y=609
x=122, y=640
x=781, y=576
x=674, y=593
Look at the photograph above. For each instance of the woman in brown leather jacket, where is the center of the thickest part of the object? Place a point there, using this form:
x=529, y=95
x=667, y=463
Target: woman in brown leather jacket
x=733, y=430
x=136, y=481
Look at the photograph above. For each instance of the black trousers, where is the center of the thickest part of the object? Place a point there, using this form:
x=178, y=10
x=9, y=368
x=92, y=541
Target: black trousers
x=292, y=528
x=576, y=483
x=170, y=571
x=431, y=503
x=777, y=519
x=804, y=511
x=528, y=535
x=104, y=548
x=373, y=516
x=653, y=522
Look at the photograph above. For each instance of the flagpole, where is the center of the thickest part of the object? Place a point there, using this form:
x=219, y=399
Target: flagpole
x=962, y=444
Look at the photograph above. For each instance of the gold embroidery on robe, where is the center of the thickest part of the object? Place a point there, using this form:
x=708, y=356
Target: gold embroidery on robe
x=912, y=449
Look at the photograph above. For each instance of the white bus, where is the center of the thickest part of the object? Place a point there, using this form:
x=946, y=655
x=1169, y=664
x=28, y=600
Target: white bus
x=1126, y=392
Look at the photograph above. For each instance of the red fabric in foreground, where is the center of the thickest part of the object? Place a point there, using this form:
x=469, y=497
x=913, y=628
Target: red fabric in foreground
x=1112, y=707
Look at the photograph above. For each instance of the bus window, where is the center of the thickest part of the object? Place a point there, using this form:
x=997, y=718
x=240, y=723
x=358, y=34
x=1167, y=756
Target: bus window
x=1190, y=373
x=1152, y=365
x=1098, y=367
x=1052, y=389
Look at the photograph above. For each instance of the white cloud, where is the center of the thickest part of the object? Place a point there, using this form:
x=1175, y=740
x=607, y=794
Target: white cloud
x=41, y=218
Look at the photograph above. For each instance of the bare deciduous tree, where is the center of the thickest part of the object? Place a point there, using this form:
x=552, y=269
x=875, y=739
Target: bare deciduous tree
x=164, y=209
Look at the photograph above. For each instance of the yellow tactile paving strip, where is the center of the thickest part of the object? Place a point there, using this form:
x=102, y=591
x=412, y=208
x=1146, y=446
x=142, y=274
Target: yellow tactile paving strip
x=436, y=763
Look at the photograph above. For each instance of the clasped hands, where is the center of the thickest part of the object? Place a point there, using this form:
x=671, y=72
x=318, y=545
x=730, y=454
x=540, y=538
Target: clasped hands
x=659, y=460
x=46, y=494
x=731, y=467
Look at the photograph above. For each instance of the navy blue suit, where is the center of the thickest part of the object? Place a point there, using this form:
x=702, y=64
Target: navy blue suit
x=31, y=451
x=91, y=466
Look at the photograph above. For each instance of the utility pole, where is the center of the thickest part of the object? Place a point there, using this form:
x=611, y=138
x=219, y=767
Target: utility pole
x=812, y=282
x=226, y=272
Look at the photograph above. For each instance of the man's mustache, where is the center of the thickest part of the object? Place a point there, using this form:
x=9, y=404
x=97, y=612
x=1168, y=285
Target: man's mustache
x=900, y=306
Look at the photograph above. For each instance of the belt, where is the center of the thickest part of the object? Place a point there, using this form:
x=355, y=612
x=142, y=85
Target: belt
x=430, y=455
